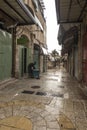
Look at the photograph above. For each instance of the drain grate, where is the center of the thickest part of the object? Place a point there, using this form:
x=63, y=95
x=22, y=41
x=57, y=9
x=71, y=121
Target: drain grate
x=54, y=94
x=28, y=92
x=44, y=93
x=35, y=87
x=41, y=93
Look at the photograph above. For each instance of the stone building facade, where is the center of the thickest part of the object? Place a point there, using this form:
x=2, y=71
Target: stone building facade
x=73, y=36
x=36, y=37
x=24, y=25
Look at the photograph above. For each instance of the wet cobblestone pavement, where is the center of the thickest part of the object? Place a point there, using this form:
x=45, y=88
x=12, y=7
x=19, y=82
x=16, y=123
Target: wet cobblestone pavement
x=53, y=102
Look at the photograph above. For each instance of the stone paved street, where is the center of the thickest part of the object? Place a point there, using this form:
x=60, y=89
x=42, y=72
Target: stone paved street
x=53, y=102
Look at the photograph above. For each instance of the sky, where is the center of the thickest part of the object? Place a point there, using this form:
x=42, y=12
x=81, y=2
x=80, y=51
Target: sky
x=52, y=27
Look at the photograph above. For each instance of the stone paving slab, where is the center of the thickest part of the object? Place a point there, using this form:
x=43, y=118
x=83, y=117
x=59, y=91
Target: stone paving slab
x=20, y=111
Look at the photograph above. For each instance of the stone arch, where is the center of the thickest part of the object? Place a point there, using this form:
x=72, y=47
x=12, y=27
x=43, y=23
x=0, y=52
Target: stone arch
x=23, y=40
x=36, y=47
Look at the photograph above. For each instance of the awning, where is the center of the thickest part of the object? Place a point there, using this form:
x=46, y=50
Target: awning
x=17, y=11
x=44, y=51
x=68, y=31
x=70, y=11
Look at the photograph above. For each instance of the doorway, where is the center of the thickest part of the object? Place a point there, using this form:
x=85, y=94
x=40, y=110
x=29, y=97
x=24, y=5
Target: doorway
x=24, y=62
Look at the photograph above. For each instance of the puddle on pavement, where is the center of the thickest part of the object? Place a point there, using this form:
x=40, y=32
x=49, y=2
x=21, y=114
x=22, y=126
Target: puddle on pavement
x=16, y=123
x=65, y=123
x=28, y=92
x=41, y=93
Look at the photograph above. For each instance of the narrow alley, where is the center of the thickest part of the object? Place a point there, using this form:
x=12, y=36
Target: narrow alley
x=53, y=102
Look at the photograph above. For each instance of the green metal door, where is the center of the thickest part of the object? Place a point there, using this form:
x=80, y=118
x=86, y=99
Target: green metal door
x=36, y=59
x=5, y=55
x=22, y=64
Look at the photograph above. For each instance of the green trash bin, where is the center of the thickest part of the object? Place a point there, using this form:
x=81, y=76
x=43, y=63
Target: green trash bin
x=36, y=73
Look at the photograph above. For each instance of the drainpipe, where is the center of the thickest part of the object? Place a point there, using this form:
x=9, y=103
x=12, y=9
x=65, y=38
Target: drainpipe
x=13, y=51
x=26, y=10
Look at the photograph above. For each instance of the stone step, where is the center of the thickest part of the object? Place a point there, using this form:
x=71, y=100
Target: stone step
x=7, y=82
